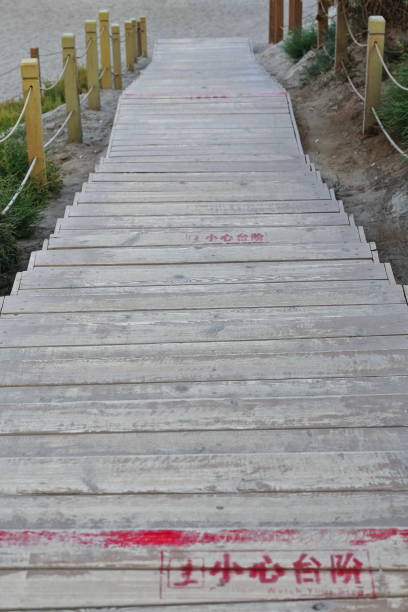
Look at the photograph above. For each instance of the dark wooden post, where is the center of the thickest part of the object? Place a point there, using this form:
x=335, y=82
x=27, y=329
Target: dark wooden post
x=295, y=14
x=275, y=21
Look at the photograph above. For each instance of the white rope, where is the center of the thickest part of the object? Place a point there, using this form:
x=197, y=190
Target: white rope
x=88, y=46
x=353, y=87
x=20, y=189
x=393, y=79
x=59, y=78
x=355, y=41
x=15, y=126
x=58, y=132
x=101, y=73
x=86, y=96
x=388, y=137
x=8, y=71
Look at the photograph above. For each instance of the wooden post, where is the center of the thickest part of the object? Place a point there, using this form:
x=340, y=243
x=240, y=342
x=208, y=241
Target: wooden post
x=92, y=71
x=374, y=69
x=116, y=56
x=341, y=35
x=139, y=39
x=275, y=21
x=129, y=45
x=322, y=21
x=30, y=74
x=295, y=15
x=71, y=88
x=143, y=36
x=106, y=81
x=35, y=54
x=135, y=27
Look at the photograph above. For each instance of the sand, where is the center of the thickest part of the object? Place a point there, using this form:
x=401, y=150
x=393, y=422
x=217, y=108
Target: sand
x=40, y=23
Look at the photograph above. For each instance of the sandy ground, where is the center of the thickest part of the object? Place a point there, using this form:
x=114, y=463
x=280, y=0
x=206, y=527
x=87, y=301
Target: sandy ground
x=40, y=23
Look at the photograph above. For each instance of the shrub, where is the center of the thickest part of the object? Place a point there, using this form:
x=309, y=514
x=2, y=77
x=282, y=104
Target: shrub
x=325, y=56
x=299, y=42
x=394, y=108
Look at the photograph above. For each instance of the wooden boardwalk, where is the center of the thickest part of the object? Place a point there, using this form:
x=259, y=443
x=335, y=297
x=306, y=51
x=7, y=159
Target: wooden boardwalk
x=204, y=371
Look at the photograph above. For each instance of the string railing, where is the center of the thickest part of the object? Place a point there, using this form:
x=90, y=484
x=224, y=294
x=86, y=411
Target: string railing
x=20, y=189
x=20, y=118
x=60, y=77
x=387, y=70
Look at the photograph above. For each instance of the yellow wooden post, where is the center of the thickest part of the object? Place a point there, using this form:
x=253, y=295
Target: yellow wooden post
x=116, y=56
x=275, y=21
x=129, y=45
x=71, y=88
x=106, y=81
x=295, y=14
x=341, y=35
x=30, y=75
x=143, y=36
x=374, y=69
x=35, y=54
x=135, y=27
x=322, y=21
x=92, y=71
x=139, y=39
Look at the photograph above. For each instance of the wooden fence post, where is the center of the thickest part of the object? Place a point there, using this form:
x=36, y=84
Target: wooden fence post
x=30, y=74
x=116, y=56
x=71, y=88
x=35, y=54
x=135, y=27
x=92, y=71
x=129, y=45
x=295, y=15
x=275, y=21
x=341, y=35
x=139, y=39
x=106, y=81
x=374, y=69
x=322, y=21
x=143, y=36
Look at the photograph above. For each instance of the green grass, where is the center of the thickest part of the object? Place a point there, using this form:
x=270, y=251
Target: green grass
x=20, y=220
x=299, y=42
x=11, y=109
x=394, y=108
x=324, y=58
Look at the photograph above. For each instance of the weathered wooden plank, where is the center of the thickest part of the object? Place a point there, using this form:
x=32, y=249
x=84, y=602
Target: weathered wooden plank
x=125, y=173
x=185, y=274
x=187, y=473
x=206, y=296
x=202, y=253
x=297, y=237
x=135, y=221
x=64, y=329
x=159, y=368
x=59, y=589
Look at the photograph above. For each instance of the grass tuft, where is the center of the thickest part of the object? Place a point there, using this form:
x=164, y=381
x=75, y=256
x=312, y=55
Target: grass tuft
x=299, y=42
x=394, y=108
x=324, y=58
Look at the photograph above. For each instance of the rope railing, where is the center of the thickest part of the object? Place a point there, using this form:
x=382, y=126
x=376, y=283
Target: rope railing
x=386, y=134
x=49, y=87
x=101, y=74
x=9, y=71
x=17, y=123
x=86, y=96
x=353, y=87
x=88, y=46
x=354, y=39
x=20, y=189
x=58, y=132
x=387, y=70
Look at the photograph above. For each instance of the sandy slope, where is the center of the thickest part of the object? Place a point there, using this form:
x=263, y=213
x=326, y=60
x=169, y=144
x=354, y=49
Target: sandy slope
x=40, y=23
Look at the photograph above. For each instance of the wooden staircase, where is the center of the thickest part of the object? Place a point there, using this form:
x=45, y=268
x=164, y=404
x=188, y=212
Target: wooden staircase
x=204, y=371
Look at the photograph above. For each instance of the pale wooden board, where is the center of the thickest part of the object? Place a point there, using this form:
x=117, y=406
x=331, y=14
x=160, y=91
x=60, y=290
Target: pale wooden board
x=136, y=122
x=125, y=173
x=185, y=274
x=205, y=296
x=297, y=237
x=139, y=221
x=61, y=589
x=201, y=325
x=203, y=253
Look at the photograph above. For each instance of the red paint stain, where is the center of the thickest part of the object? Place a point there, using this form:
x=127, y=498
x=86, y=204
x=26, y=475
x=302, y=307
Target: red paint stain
x=367, y=536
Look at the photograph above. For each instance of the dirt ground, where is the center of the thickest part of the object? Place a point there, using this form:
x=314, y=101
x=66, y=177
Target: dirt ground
x=366, y=173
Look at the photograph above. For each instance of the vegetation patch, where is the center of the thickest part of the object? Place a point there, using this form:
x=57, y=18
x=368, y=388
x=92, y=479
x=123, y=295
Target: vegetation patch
x=324, y=58
x=299, y=42
x=19, y=221
x=394, y=108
